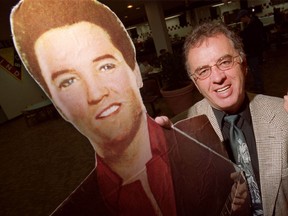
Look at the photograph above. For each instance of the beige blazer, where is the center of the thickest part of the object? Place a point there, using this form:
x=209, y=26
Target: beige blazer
x=270, y=124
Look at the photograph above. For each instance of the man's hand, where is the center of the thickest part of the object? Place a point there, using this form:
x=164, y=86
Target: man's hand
x=163, y=121
x=239, y=191
x=286, y=102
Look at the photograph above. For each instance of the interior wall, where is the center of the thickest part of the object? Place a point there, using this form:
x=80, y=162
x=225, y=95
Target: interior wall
x=202, y=14
x=17, y=94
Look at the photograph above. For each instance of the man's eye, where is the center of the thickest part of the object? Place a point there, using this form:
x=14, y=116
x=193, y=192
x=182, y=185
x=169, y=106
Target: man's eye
x=67, y=82
x=226, y=62
x=107, y=67
x=203, y=71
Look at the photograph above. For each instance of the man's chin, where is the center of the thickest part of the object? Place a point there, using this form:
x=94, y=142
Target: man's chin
x=226, y=107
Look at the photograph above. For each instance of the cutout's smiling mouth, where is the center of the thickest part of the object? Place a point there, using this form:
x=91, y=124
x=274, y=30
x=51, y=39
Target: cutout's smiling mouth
x=109, y=111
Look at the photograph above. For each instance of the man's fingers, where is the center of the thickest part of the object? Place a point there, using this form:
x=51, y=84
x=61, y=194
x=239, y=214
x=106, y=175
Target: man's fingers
x=163, y=121
x=286, y=102
x=239, y=194
x=236, y=176
x=238, y=201
x=242, y=188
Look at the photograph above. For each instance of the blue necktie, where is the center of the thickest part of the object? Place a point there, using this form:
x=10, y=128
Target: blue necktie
x=242, y=158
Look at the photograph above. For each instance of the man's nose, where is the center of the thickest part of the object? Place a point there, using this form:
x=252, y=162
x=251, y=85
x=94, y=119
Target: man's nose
x=217, y=75
x=97, y=90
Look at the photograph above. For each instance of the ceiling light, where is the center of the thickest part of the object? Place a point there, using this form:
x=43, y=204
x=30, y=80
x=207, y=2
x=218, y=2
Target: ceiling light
x=129, y=6
x=217, y=5
x=171, y=17
x=220, y=4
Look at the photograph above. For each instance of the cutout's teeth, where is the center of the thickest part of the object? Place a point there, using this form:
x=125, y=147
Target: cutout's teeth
x=109, y=111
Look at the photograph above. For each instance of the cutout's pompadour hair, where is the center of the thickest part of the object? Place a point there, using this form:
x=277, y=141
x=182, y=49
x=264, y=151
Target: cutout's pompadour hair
x=32, y=18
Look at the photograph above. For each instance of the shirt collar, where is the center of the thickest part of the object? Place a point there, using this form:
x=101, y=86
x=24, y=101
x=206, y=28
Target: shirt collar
x=158, y=148
x=157, y=138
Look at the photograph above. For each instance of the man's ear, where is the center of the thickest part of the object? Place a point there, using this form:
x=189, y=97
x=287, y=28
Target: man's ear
x=195, y=83
x=244, y=67
x=138, y=76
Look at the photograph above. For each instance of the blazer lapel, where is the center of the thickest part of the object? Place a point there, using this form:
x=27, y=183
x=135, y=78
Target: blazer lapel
x=207, y=109
x=269, y=155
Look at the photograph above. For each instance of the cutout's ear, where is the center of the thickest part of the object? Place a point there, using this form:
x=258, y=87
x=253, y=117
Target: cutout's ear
x=138, y=76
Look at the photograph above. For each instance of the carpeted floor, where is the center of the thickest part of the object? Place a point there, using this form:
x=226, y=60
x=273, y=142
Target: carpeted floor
x=42, y=164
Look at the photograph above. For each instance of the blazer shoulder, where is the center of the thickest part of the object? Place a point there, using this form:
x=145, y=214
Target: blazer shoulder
x=200, y=108
x=269, y=109
x=266, y=100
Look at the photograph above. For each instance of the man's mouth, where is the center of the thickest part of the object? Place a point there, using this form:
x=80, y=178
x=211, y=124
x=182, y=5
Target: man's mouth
x=223, y=89
x=109, y=111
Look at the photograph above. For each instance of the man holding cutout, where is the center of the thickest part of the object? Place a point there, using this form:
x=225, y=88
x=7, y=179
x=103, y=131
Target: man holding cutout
x=81, y=55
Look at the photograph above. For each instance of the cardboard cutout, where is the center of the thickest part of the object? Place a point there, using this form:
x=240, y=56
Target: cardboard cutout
x=81, y=55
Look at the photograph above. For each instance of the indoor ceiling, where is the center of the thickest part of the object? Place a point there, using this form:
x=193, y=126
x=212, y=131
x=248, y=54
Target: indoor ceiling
x=129, y=17
x=137, y=14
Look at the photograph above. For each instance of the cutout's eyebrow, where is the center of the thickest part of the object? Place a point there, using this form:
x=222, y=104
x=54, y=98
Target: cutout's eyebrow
x=58, y=73
x=107, y=56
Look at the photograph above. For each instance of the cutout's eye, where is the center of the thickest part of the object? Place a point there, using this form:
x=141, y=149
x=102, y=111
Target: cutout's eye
x=67, y=82
x=107, y=67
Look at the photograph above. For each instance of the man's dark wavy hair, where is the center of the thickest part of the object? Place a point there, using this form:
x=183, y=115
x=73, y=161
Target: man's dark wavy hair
x=207, y=30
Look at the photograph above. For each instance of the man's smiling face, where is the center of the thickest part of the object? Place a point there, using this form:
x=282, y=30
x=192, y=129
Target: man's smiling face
x=225, y=90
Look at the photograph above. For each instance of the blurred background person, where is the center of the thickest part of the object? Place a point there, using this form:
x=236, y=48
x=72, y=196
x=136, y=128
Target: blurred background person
x=145, y=67
x=254, y=37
